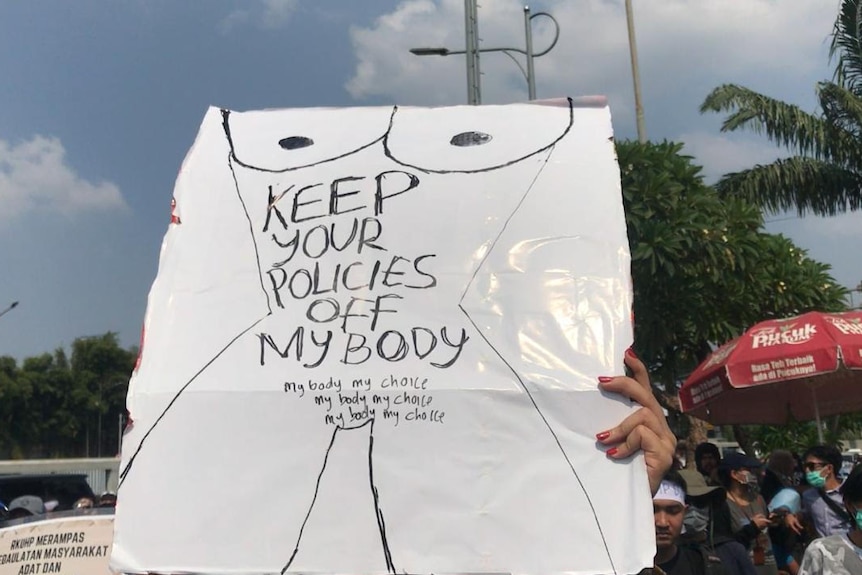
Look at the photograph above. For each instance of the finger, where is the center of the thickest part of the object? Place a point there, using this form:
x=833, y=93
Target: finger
x=641, y=438
x=639, y=370
x=630, y=388
x=642, y=417
x=640, y=374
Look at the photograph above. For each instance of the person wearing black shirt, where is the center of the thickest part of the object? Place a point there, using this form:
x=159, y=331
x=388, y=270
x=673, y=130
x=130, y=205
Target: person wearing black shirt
x=669, y=511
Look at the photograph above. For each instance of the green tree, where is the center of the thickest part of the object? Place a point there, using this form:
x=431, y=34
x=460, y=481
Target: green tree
x=100, y=370
x=52, y=415
x=825, y=175
x=702, y=268
x=14, y=424
x=54, y=406
x=797, y=436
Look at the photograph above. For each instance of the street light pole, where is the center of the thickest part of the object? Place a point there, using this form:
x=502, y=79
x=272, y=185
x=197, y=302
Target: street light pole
x=473, y=90
x=471, y=31
x=528, y=36
x=636, y=79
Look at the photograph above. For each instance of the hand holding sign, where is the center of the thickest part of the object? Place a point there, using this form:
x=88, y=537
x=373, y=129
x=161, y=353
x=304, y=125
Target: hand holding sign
x=646, y=429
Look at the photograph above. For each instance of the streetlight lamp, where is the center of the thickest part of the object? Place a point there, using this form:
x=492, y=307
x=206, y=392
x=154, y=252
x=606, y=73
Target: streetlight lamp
x=9, y=308
x=473, y=91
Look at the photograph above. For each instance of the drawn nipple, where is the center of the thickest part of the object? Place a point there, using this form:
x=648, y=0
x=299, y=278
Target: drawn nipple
x=295, y=142
x=465, y=139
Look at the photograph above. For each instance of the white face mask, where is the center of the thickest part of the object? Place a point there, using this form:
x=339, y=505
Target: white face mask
x=696, y=520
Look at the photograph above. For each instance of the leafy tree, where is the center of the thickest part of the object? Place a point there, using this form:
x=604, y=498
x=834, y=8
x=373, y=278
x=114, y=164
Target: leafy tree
x=797, y=436
x=825, y=175
x=100, y=369
x=52, y=406
x=703, y=270
x=14, y=395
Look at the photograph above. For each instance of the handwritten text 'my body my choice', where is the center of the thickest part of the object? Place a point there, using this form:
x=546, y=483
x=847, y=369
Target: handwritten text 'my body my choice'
x=344, y=302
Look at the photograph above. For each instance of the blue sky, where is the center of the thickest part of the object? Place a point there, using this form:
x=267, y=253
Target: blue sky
x=99, y=102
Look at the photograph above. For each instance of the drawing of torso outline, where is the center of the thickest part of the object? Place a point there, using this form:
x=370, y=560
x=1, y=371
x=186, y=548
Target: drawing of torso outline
x=368, y=424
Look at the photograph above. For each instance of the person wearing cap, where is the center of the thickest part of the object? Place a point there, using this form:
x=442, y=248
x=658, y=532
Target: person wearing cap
x=26, y=506
x=707, y=523
x=108, y=499
x=822, y=505
x=840, y=553
x=749, y=515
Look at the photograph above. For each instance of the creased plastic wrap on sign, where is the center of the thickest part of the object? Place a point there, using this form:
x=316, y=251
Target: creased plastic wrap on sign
x=372, y=347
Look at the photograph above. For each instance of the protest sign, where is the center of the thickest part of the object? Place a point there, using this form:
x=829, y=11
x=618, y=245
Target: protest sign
x=373, y=347
x=69, y=546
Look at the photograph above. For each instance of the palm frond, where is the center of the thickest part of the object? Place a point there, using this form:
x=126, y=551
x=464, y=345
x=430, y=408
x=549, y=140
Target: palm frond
x=841, y=107
x=806, y=184
x=847, y=45
x=783, y=123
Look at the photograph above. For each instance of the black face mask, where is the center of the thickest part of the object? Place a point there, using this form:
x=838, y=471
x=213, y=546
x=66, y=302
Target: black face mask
x=696, y=520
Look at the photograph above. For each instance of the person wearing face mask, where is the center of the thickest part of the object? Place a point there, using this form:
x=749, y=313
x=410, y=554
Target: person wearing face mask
x=822, y=505
x=707, y=524
x=749, y=515
x=840, y=553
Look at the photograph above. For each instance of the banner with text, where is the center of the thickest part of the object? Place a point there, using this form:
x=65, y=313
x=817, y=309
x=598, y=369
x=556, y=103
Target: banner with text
x=69, y=546
x=373, y=347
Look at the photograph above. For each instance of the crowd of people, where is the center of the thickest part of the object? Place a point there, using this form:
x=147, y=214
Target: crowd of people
x=731, y=515
x=32, y=506
x=738, y=515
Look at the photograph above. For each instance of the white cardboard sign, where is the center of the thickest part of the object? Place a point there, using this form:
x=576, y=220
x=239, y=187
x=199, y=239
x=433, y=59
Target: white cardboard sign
x=68, y=546
x=372, y=347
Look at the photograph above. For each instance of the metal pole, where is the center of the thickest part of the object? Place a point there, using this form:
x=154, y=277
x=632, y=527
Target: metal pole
x=468, y=50
x=817, y=416
x=471, y=26
x=99, y=434
x=639, y=110
x=531, y=76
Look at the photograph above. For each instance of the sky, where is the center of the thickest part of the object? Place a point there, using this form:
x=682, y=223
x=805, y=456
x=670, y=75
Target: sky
x=101, y=100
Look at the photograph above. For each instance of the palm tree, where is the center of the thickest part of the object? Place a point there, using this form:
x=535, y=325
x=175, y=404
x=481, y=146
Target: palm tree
x=824, y=176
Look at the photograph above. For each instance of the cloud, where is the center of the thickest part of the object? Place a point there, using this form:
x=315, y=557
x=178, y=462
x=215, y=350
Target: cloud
x=276, y=13
x=722, y=153
x=686, y=48
x=34, y=176
x=267, y=14
x=847, y=225
x=683, y=44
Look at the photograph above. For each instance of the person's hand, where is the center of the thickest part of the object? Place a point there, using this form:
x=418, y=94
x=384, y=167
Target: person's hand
x=760, y=521
x=791, y=521
x=645, y=430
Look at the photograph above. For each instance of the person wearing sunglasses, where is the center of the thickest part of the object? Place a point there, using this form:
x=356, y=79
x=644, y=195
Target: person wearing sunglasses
x=840, y=553
x=822, y=504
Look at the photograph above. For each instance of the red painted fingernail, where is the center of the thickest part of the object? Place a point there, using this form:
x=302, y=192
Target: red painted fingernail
x=612, y=451
x=630, y=352
x=605, y=378
x=603, y=435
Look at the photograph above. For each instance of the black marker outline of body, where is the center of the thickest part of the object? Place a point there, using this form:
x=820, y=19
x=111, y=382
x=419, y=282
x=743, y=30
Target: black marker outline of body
x=381, y=524
x=232, y=158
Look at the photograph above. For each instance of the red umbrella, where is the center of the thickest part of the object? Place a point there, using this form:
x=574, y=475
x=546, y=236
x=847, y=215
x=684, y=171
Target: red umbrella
x=800, y=368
